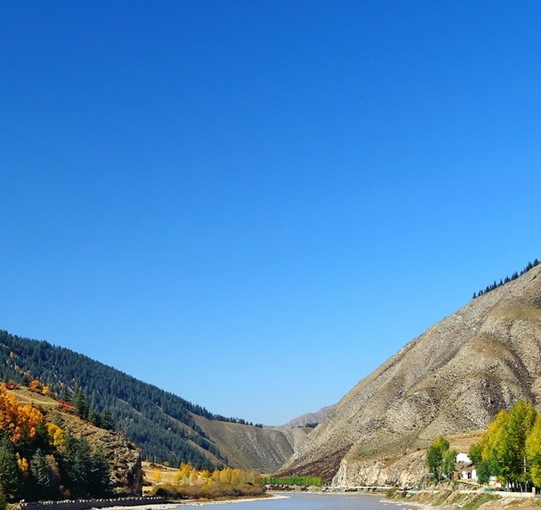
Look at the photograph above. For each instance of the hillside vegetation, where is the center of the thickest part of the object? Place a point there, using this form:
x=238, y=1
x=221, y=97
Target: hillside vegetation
x=159, y=422
x=187, y=482
x=166, y=427
x=49, y=454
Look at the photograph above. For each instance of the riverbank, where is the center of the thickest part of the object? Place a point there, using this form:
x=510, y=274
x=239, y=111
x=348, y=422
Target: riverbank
x=146, y=503
x=464, y=500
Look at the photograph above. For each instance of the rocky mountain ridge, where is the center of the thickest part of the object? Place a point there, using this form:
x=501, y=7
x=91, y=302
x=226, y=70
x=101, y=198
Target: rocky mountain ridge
x=453, y=378
x=307, y=419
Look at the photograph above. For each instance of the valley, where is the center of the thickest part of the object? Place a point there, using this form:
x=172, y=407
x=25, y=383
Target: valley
x=451, y=380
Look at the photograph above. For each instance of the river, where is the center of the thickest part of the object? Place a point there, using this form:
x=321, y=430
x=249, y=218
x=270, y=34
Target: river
x=313, y=501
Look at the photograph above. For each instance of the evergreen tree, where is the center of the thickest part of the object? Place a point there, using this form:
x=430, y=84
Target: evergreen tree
x=94, y=417
x=80, y=402
x=10, y=476
x=77, y=459
x=64, y=394
x=3, y=500
x=107, y=420
x=41, y=440
x=87, y=473
x=99, y=480
x=42, y=480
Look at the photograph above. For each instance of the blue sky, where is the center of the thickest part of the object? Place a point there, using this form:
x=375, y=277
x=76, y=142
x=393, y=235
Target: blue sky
x=254, y=204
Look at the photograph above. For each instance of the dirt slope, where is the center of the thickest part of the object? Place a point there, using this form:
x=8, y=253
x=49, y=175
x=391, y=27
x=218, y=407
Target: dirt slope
x=451, y=379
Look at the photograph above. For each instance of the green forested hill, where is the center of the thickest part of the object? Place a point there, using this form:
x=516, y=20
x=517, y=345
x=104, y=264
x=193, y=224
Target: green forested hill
x=157, y=421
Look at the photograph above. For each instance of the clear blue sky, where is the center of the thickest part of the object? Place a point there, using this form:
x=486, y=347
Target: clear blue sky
x=253, y=204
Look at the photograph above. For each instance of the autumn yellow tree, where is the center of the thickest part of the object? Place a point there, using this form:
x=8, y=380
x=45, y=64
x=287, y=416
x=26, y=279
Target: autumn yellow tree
x=19, y=421
x=8, y=409
x=57, y=437
x=533, y=451
x=27, y=423
x=182, y=476
x=237, y=476
x=157, y=476
x=225, y=475
x=22, y=463
x=504, y=443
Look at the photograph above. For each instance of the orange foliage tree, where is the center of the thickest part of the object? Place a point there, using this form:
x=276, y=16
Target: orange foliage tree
x=19, y=421
x=35, y=386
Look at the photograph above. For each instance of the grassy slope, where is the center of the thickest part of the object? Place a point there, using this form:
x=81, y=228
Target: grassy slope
x=249, y=447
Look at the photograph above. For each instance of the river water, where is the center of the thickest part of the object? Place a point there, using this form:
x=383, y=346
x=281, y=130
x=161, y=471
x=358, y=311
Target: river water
x=312, y=501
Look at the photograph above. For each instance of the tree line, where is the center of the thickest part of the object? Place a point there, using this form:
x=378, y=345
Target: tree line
x=507, y=279
x=510, y=449
x=297, y=480
x=190, y=482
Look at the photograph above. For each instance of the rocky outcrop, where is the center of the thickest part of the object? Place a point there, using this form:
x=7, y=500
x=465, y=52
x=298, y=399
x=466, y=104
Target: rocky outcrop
x=125, y=461
x=385, y=471
x=123, y=456
x=454, y=378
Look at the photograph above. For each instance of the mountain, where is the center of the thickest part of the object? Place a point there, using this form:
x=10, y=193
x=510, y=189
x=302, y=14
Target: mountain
x=308, y=419
x=262, y=449
x=165, y=426
x=452, y=379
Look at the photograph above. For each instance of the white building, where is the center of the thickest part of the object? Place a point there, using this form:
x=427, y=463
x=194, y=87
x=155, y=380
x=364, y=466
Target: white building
x=463, y=457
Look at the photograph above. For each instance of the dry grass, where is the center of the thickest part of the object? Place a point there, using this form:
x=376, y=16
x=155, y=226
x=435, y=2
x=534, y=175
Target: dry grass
x=157, y=474
x=462, y=442
x=522, y=311
x=25, y=396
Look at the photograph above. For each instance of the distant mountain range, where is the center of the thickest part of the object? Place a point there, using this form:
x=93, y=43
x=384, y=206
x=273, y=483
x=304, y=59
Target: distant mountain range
x=308, y=419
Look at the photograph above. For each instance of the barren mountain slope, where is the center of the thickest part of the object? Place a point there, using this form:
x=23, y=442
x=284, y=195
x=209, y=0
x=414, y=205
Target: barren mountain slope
x=248, y=447
x=451, y=379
